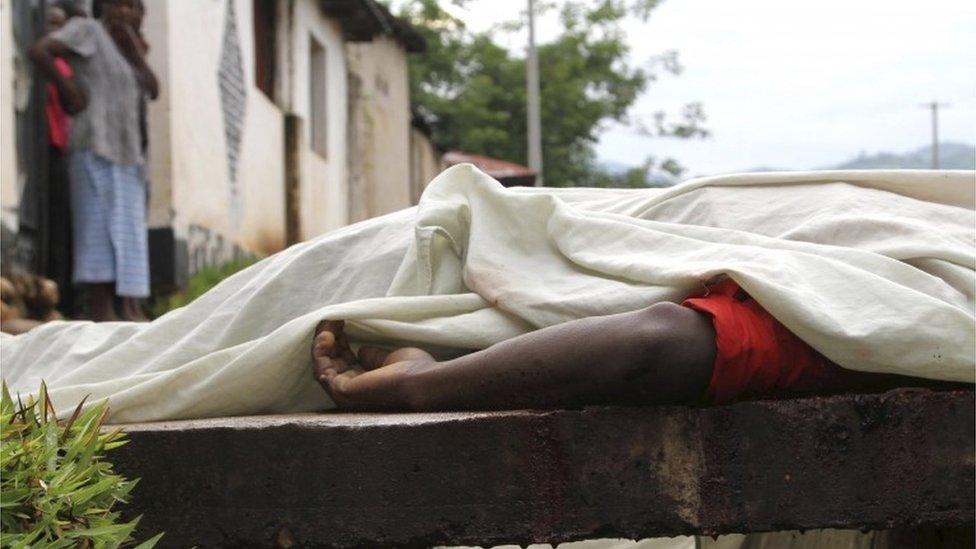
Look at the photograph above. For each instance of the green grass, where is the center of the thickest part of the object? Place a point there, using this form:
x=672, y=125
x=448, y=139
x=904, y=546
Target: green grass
x=56, y=489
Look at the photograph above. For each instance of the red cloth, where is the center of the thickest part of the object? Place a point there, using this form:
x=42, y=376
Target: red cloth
x=58, y=121
x=756, y=355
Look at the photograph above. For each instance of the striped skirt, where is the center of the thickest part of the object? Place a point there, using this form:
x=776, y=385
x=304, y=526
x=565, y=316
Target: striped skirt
x=108, y=204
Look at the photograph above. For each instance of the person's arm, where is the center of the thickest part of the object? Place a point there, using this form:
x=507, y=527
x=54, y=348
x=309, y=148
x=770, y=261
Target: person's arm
x=43, y=53
x=133, y=49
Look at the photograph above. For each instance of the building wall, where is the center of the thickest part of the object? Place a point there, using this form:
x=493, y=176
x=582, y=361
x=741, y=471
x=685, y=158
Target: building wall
x=425, y=163
x=159, y=158
x=202, y=210
x=192, y=179
x=324, y=189
x=379, y=132
x=192, y=182
x=9, y=189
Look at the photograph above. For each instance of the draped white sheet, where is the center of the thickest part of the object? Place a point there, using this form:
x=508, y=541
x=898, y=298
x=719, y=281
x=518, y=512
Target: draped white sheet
x=876, y=270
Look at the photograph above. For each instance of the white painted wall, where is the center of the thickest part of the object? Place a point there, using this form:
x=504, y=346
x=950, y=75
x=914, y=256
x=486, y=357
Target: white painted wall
x=324, y=192
x=382, y=126
x=261, y=168
x=425, y=163
x=9, y=189
x=188, y=164
x=159, y=158
x=191, y=183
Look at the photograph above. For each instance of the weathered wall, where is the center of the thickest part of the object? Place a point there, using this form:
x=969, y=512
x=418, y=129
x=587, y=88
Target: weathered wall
x=379, y=103
x=159, y=161
x=217, y=143
x=194, y=181
x=425, y=163
x=9, y=189
x=324, y=188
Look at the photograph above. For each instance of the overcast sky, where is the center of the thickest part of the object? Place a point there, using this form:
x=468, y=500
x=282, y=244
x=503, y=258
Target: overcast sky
x=793, y=84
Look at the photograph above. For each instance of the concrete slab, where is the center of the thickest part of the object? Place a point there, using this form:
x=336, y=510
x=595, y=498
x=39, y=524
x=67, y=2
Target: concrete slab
x=902, y=459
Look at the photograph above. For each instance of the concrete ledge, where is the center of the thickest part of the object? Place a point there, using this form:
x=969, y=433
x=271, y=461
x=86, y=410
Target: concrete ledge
x=903, y=459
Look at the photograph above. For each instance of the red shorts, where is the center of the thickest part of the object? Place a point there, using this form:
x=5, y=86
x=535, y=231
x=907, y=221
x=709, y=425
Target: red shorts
x=756, y=356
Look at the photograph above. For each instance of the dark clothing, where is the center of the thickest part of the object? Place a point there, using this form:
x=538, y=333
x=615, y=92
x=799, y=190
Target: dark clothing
x=59, y=227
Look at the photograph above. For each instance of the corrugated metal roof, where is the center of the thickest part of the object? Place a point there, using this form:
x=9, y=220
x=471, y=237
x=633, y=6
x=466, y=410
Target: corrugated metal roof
x=361, y=20
x=499, y=169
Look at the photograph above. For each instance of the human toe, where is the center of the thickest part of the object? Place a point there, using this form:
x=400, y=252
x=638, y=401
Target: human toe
x=324, y=345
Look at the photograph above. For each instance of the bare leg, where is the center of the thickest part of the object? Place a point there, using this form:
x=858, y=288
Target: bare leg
x=661, y=354
x=131, y=310
x=100, y=303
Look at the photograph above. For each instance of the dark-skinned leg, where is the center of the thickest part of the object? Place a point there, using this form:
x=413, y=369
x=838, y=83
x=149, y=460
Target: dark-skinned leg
x=132, y=310
x=100, y=300
x=661, y=354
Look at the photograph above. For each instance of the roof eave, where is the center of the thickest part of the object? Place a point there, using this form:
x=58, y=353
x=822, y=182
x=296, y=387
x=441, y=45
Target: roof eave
x=364, y=20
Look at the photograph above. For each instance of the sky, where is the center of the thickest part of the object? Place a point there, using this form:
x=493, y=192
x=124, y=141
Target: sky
x=788, y=84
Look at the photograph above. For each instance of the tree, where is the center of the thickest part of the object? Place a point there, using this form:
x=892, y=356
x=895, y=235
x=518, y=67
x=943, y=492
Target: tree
x=473, y=91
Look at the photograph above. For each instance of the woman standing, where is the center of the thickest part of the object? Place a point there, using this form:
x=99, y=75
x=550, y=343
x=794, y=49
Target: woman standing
x=107, y=190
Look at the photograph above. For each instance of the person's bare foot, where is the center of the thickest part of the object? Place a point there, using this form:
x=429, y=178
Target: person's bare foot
x=132, y=310
x=373, y=380
x=100, y=303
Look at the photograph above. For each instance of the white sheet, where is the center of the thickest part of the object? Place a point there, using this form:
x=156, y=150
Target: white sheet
x=876, y=270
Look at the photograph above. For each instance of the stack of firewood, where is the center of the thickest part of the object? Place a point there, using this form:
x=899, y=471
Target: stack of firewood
x=27, y=301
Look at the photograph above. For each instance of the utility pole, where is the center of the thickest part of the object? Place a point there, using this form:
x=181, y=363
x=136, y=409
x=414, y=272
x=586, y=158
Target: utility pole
x=934, y=107
x=535, y=119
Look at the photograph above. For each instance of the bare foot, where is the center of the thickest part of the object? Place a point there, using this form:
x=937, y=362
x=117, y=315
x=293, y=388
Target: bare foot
x=373, y=380
x=132, y=310
x=100, y=302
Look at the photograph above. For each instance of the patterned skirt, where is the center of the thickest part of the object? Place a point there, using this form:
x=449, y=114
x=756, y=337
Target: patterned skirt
x=108, y=203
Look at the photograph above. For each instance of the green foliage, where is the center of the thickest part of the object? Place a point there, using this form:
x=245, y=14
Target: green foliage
x=472, y=90
x=201, y=283
x=56, y=489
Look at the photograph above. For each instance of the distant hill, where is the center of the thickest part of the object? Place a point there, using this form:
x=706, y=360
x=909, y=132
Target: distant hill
x=613, y=167
x=952, y=156
x=759, y=169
